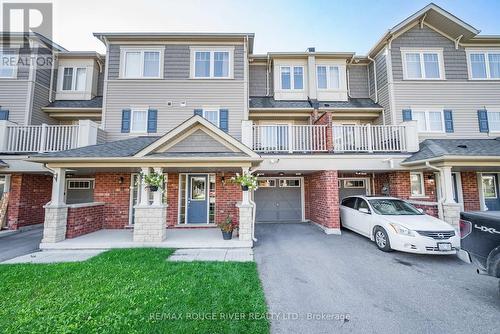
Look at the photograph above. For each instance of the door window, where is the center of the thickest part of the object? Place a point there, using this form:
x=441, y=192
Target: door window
x=198, y=189
x=489, y=186
x=362, y=204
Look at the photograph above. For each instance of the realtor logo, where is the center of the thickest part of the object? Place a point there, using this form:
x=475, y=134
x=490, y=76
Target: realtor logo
x=27, y=18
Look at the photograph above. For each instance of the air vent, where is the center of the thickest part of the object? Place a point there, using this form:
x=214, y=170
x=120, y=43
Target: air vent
x=327, y=104
x=462, y=146
x=311, y=49
x=169, y=103
x=183, y=103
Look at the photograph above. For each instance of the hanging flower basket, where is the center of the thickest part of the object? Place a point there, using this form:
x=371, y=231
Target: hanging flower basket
x=153, y=181
x=247, y=181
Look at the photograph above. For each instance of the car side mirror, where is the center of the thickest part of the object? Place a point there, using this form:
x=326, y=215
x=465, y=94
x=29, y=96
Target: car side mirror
x=420, y=210
x=364, y=210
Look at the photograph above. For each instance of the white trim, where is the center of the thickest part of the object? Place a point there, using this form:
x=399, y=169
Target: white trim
x=426, y=112
x=422, y=185
x=484, y=52
x=138, y=109
x=329, y=88
x=460, y=195
x=495, y=176
x=207, y=199
x=73, y=89
x=142, y=50
x=421, y=52
x=488, y=112
x=212, y=50
x=292, y=78
x=211, y=109
x=368, y=183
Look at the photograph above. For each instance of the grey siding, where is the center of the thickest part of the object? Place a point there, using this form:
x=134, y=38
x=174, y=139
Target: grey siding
x=358, y=80
x=199, y=141
x=176, y=61
x=257, y=80
x=155, y=94
x=382, y=87
x=41, y=93
x=100, y=82
x=455, y=61
x=13, y=94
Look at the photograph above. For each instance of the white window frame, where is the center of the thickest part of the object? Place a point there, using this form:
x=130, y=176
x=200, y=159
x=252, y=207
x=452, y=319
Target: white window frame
x=328, y=82
x=486, y=62
x=14, y=72
x=426, y=111
x=282, y=183
x=212, y=50
x=438, y=51
x=491, y=111
x=271, y=183
x=422, y=185
x=483, y=176
x=134, y=110
x=292, y=78
x=91, y=183
x=211, y=109
x=124, y=51
x=355, y=187
x=73, y=79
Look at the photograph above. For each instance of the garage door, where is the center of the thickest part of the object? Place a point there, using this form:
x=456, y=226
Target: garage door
x=352, y=187
x=279, y=200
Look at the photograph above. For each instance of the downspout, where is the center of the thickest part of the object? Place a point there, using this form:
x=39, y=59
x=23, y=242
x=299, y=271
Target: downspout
x=52, y=70
x=441, y=200
x=267, y=75
x=254, y=209
x=347, y=78
x=374, y=78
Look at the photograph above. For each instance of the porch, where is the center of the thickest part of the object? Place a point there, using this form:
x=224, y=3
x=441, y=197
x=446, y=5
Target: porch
x=123, y=238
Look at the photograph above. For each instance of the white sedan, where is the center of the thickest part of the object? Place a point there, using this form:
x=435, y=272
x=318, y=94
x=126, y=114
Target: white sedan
x=395, y=224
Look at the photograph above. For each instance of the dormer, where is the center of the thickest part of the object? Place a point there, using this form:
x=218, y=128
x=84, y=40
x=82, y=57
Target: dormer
x=77, y=75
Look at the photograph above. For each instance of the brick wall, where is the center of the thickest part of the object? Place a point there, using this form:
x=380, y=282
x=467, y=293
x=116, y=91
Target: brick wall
x=116, y=195
x=470, y=191
x=226, y=197
x=84, y=220
x=323, y=197
x=326, y=119
x=28, y=194
x=172, y=199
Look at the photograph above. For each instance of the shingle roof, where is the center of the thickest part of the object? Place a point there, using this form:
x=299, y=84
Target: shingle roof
x=120, y=148
x=270, y=102
x=433, y=148
x=197, y=154
x=96, y=102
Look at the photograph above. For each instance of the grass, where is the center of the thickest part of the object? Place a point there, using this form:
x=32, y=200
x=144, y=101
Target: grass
x=132, y=291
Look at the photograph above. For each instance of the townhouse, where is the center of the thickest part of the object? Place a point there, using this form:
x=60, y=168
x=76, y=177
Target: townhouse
x=416, y=118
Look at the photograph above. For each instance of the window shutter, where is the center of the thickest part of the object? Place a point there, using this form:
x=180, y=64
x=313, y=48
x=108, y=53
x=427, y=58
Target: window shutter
x=4, y=114
x=407, y=115
x=198, y=112
x=223, y=119
x=152, y=120
x=448, y=120
x=482, y=117
x=126, y=120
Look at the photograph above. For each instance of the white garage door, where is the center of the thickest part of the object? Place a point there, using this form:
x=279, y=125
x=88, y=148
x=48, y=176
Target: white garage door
x=279, y=200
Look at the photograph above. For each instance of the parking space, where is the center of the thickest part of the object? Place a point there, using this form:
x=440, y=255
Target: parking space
x=20, y=243
x=321, y=283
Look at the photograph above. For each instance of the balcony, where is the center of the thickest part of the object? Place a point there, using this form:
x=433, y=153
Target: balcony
x=15, y=139
x=331, y=138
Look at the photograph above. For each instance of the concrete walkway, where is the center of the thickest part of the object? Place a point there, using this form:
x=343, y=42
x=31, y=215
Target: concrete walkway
x=54, y=256
x=223, y=255
x=20, y=243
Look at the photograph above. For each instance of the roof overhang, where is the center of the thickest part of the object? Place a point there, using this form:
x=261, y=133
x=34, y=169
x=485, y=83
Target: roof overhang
x=74, y=113
x=457, y=161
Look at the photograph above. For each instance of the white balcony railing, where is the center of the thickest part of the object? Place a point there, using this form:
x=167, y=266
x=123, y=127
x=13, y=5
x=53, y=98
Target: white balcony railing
x=46, y=138
x=289, y=138
x=370, y=138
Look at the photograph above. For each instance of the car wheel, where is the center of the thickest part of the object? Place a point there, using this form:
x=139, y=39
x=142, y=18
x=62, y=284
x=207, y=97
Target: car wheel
x=382, y=240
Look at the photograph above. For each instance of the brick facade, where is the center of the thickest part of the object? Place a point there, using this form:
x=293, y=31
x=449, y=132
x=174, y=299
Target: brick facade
x=114, y=190
x=226, y=197
x=172, y=199
x=470, y=191
x=28, y=194
x=84, y=220
x=326, y=119
x=322, y=197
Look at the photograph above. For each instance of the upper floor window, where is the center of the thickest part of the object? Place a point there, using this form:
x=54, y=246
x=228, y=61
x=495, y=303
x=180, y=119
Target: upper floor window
x=137, y=63
x=8, y=65
x=422, y=64
x=494, y=121
x=139, y=120
x=292, y=77
x=484, y=64
x=328, y=77
x=211, y=115
x=212, y=63
x=429, y=121
x=74, y=78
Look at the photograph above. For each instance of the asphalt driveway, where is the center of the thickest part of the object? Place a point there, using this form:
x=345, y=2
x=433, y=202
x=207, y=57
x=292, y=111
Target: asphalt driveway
x=20, y=243
x=318, y=283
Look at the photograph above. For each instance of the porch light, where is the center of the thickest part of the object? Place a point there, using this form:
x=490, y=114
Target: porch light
x=120, y=180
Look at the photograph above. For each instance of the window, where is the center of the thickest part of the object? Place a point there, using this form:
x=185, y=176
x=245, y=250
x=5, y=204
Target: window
x=80, y=184
x=139, y=64
x=362, y=204
x=328, y=77
x=349, y=202
x=494, y=121
x=422, y=65
x=429, y=121
x=484, y=64
x=198, y=188
x=74, y=78
x=212, y=116
x=489, y=186
x=8, y=65
x=352, y=184
x=139, y=120
x=289, y=81
x=269, y=183
x=212, y=63
x=417, y=184
x=289, y=183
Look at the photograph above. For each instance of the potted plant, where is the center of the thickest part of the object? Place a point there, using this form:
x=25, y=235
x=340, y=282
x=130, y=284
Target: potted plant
x=227, y=226
x=247, y=181
x=153, y=180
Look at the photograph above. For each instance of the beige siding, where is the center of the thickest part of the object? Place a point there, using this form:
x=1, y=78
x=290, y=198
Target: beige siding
x=464, y=98
x=155, y=94
x=199, y=141
x=13, y=95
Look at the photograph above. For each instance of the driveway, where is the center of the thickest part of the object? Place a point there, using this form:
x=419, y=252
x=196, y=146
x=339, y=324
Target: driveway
x=20, y=243
x=346, y=284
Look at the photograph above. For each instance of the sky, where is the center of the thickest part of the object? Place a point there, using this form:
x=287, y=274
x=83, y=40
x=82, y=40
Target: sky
x=279, y=25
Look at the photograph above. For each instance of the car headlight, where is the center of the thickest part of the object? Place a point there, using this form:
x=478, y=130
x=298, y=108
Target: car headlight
x=400, y=229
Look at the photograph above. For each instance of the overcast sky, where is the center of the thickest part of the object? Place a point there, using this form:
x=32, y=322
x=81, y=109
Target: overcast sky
x=279, y=25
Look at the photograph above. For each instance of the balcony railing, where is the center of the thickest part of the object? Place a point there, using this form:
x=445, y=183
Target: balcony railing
x=290, y=138
x=370, y=138
x=46, y=138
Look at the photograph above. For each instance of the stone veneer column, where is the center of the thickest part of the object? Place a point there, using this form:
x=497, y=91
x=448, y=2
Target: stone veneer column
x=149, y=223
x=451, y=214
x=246, y=220
x=54, y=226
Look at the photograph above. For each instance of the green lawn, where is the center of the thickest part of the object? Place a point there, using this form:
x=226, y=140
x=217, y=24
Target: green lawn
x=132, y=291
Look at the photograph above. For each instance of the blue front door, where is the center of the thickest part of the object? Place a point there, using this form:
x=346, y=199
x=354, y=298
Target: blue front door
x=197, y=201
x=491, y=191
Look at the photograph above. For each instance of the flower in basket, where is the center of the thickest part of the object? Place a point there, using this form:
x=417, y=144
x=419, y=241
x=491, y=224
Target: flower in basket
x=247, y=181
x=153, y=180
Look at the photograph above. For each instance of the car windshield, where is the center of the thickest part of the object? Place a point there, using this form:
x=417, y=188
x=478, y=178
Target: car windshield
x=393, y=207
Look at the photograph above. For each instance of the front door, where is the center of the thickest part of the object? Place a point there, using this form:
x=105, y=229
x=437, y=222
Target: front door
x=491, y=191
x=197, y=199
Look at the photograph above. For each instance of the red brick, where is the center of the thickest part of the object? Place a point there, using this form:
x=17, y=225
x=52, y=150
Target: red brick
x=116, y=195
x=84, y=220
x=470, y=191
x=322, y=198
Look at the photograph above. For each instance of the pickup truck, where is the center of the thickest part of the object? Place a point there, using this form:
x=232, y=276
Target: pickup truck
x=480, y=244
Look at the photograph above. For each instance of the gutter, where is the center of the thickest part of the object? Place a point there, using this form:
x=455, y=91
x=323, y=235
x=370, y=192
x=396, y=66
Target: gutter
x=52, y=70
